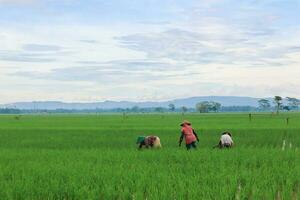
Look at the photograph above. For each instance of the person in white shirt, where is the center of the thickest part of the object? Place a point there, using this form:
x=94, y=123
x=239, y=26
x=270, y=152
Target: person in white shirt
x=225, y=141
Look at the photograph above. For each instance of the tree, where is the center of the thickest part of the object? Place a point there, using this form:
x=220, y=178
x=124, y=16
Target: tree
x=135, y=109
x=171, y=107
x=293, y=103
x=278, y=102
x=215, y=106
x=203, y=107
x=287, y=108
x=207, y=106
x=184, y=109
x=159, y=109
x=264, y=104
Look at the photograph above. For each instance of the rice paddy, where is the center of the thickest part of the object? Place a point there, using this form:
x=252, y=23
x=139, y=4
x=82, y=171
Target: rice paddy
x=95, y=157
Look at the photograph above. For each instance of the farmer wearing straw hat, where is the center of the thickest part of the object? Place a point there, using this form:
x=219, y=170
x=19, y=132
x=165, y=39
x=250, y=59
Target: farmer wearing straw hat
x=189, y=134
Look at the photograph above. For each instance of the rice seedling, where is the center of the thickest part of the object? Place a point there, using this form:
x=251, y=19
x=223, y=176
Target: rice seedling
x=92, y=157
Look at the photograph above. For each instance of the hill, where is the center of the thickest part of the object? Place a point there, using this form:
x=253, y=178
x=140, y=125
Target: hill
x=188, y=102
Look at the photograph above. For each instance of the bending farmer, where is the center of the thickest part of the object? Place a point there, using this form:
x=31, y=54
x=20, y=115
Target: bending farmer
x=225, y=141
x=148, y=141
x=189, y=134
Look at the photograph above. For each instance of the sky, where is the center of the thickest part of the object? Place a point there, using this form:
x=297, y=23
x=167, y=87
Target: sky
x=140, y=50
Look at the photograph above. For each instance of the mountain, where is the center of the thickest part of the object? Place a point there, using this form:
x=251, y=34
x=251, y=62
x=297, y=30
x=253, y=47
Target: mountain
x=188, y=102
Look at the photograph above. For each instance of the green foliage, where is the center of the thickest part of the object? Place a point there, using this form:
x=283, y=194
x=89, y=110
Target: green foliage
x=184, y=110
x=159, y=109
x=293, y=103
x=171, y=107
x=264, y=104
x=207, y=106
x=95, y=157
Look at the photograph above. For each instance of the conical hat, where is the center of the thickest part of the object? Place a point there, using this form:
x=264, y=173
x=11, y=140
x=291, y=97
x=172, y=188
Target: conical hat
x=185, y=122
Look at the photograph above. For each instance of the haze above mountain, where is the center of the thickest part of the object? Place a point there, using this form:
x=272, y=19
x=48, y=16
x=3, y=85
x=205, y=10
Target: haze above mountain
x=188, y=102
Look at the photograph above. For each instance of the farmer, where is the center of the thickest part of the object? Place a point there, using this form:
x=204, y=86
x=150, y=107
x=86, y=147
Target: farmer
x=225, y=140
x=148, y=141
x=189, y=134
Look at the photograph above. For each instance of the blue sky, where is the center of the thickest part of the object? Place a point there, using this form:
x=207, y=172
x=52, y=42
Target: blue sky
x=94, y=50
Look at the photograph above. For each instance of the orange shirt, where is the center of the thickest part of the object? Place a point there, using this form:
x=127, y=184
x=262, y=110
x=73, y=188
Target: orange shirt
x=188, y=133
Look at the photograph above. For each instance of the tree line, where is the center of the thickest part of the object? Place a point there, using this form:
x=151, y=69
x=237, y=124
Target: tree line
x=276, y=104
x=279, y=103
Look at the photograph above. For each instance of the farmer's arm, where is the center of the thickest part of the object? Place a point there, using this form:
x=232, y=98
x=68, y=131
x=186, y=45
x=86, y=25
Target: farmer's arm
x=220, y=143
x=196, y=135
x=141, y=145
x=181, y=138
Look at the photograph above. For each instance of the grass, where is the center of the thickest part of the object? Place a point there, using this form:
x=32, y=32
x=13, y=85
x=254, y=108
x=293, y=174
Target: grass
x=95, y=157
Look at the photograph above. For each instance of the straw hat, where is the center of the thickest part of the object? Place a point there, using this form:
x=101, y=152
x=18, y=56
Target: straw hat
x=185, y=122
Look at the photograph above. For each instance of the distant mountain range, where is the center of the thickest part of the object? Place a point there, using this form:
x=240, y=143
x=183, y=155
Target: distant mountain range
x=188, y=102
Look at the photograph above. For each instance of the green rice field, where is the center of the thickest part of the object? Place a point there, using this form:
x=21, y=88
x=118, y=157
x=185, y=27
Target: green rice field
x=95, y=157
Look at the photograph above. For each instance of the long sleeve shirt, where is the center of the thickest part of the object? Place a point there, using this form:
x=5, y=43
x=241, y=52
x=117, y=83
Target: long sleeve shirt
x=189, y=134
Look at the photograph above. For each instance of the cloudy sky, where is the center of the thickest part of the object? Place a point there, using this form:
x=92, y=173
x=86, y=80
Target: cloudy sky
x=95, y=50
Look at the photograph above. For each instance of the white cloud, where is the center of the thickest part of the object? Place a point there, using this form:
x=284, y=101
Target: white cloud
x=23, y=2
x=208, y=49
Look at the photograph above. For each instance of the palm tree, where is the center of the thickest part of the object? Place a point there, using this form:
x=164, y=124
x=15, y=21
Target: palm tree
x=278, y=102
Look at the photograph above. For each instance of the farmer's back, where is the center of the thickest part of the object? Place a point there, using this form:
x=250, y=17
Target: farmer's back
x=188, y=134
